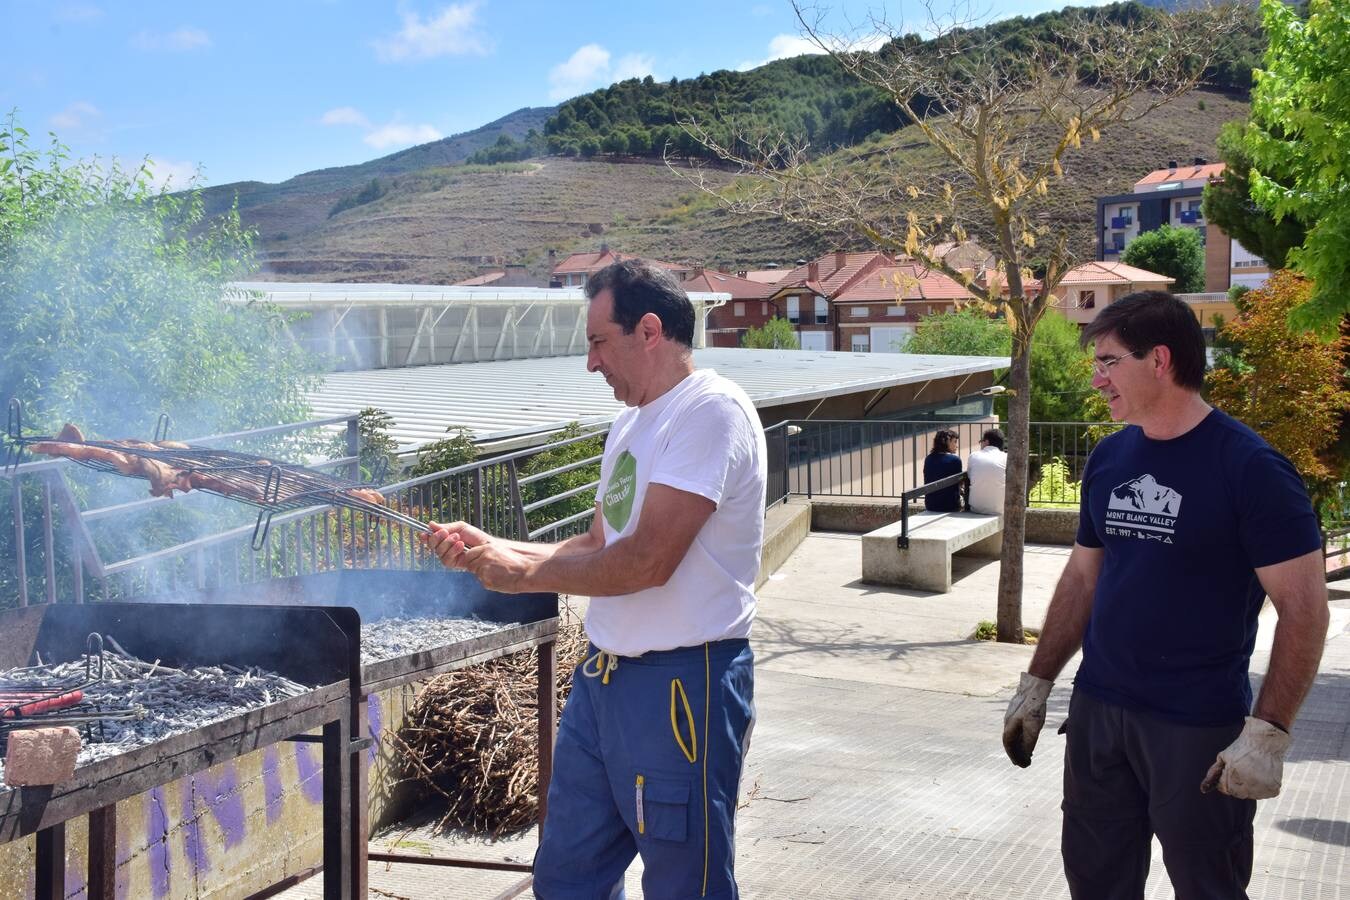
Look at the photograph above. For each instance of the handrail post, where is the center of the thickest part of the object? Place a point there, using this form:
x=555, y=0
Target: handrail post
x=354, y=445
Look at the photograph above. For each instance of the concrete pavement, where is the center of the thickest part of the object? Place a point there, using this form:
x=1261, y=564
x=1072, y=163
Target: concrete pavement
x=876, y=768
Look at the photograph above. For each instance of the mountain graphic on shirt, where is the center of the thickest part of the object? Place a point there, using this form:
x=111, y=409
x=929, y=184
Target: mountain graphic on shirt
x=1145, y=494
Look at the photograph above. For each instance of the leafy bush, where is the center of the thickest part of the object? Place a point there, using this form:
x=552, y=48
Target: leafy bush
x=1056, y=486
x=368, y=194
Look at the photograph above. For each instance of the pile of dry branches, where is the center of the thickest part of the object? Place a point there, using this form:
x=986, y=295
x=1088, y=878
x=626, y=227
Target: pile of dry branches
x=472, y=738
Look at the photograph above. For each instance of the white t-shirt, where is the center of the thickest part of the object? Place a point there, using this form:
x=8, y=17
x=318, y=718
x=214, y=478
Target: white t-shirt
x=702, y=436
x=987, y=468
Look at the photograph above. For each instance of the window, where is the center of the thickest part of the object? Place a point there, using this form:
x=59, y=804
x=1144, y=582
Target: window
x=895, y=310
x=858, y=311
x=764, y=308
x=738, y=309
x=1127, y=213
x=1087, y=299
x=794, y=309
x=1193, y=205
x=1118, y=240
x=822, y=311
x=860, y=343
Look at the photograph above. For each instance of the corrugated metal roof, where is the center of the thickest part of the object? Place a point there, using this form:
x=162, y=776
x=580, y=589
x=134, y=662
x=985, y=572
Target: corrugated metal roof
x=303, y=295
x=498, y=401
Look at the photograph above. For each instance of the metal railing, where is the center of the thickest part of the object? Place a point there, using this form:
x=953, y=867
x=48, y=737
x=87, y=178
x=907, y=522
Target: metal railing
x=517, y=495
x=883, y=458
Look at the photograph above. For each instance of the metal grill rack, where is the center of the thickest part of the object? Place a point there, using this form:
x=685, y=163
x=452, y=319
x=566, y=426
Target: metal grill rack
x=270, y=486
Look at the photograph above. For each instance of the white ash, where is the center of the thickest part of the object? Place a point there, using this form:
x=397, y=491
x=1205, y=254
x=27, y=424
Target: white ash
x=165, y=700
x=394, y=637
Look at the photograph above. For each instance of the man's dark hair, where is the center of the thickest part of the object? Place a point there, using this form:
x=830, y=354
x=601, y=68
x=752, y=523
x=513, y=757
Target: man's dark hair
x=640, y=288
x=1147, y=319
x=993, y=437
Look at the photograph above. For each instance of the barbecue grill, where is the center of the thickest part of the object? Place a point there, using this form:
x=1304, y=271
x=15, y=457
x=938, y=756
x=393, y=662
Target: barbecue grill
x=316, y=647
x=524, y=621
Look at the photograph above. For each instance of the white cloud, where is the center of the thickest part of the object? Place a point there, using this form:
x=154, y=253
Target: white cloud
x=449, y=32
x=396, y=134
x=786, y=46
x=634, y=65
x=589, y=67
x=180, y=40
x=170, y=174
x=78, y=13
x=77, y=115
x=345, y=115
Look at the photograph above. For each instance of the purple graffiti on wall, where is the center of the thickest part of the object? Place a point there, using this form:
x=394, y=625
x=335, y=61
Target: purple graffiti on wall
x=194, y=846
x=220, y=792
x=75, y=883
x=375, y=724
x=311, y=773
x=157, y=839
x=272, y=790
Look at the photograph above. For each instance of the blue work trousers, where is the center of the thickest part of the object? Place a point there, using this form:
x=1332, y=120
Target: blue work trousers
x=648, y=761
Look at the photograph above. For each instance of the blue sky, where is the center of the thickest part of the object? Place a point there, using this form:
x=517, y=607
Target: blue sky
x=264, y=91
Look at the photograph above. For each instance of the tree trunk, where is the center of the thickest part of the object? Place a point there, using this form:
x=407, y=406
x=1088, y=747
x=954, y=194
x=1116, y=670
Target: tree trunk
x=1015, y=490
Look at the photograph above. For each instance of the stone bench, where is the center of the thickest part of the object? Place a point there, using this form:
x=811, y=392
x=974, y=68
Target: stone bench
x=933, y=538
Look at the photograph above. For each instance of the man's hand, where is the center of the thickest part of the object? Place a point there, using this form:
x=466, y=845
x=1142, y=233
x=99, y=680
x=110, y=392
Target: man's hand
x=1252, y=766
x=449, y=542
x=500, y=567
x=1025, y=717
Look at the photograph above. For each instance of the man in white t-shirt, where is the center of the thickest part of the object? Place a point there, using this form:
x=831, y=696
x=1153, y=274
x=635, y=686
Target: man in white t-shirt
x=654, y=734
x=987, y=470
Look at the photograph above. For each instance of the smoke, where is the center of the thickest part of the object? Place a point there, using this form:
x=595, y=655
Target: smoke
x=113, y=311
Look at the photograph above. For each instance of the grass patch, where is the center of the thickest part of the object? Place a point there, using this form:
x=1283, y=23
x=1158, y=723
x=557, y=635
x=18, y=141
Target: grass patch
x=988, y=631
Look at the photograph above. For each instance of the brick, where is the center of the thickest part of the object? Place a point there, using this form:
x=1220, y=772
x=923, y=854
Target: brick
x=41, y=756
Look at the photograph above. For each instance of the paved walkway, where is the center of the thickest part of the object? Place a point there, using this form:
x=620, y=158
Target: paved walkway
x=877, y=772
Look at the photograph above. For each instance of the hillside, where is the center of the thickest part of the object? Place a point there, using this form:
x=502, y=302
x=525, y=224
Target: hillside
x=302, y=197
x=437, y=225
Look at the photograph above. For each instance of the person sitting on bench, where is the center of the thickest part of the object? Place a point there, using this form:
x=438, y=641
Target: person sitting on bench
x=942, y=462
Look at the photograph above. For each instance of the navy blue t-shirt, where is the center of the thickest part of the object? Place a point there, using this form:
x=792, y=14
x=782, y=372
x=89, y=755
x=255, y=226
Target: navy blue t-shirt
x=940, y=465
x=1184, y=523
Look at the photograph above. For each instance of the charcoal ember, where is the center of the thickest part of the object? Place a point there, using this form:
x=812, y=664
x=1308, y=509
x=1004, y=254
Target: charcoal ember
x=167, y=700
x=399, y=636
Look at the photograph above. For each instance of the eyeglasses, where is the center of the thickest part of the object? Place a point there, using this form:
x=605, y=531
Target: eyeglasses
x=1103, y=366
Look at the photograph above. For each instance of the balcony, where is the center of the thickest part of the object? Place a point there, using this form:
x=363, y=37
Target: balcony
x=1110, y=251
x=1121, y=222
x=1190, y=216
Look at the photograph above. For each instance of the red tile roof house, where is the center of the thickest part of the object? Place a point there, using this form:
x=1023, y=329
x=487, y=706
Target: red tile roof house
x=1089, y=287
x=748, y=307
x=863, y=302
x=578, y=267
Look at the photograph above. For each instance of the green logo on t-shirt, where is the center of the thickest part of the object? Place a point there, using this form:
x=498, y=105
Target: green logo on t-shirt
x=617, y=503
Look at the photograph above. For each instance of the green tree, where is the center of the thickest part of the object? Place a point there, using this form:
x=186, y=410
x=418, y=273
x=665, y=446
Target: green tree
x=115, y=308
x=775, y=334
x=965, y=332
x=1291, y=386
x=116, y=305
x=379, y=450
x=447, y=453
x=1173, y=251
x=1061, y=372
x=556, y=458
x=1299, y=141
x=1003, y=110
x=1229, y=204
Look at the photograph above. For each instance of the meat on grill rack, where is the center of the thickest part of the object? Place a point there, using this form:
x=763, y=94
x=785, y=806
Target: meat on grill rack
x=172, y=466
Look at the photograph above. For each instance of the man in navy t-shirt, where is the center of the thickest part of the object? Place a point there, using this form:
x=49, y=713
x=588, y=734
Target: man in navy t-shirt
x=1188, y=520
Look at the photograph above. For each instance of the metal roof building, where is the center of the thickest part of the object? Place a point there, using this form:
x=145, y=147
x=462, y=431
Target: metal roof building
x=377, y=326
x=512, y=403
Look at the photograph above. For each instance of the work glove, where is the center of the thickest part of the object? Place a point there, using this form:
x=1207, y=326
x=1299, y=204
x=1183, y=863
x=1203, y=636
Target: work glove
x=1251, y=767
x=1025, y=716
